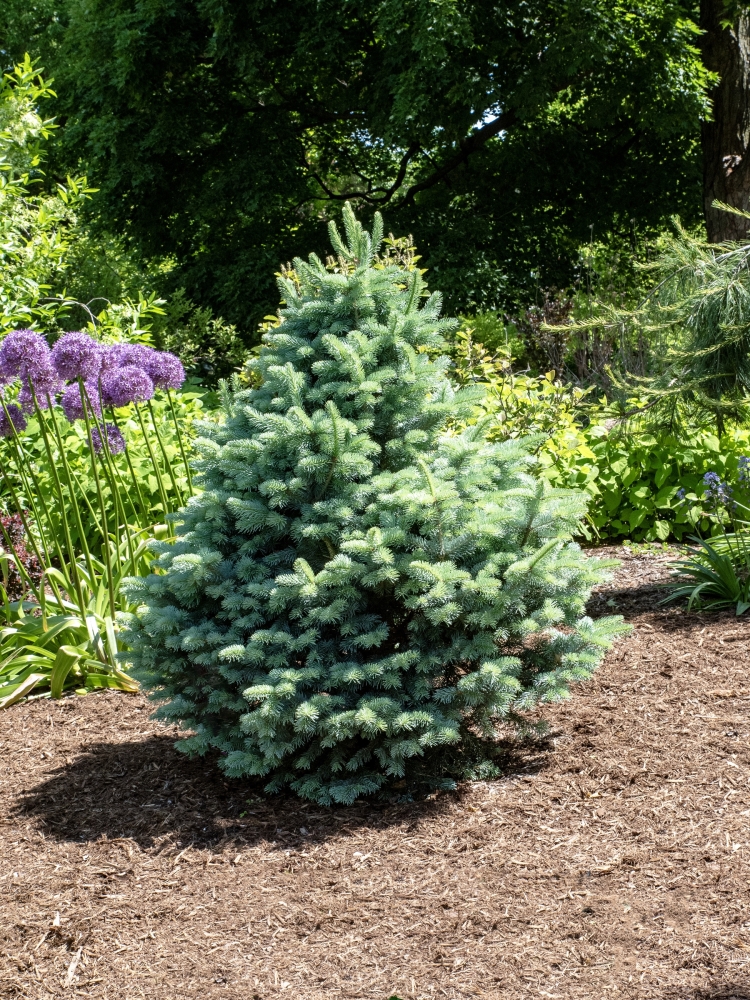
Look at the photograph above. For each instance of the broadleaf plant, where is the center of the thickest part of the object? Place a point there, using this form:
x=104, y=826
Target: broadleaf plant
x=356, y=588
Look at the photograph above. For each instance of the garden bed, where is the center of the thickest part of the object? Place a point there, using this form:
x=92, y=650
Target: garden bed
x=614, y=861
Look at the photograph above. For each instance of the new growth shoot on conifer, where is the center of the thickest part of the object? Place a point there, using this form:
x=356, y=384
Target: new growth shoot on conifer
x=355, y=588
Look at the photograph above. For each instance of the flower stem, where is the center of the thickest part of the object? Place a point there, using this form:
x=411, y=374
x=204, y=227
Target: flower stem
x=33, y=495
x=167, y=462
x=72, y=561
x=145, y=509
x=102, y=507
x=181, y=443
x=114, y=480
x=157, y=470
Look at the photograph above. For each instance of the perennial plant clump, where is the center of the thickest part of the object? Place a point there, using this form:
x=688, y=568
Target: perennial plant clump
x=96, y=374
x=79, y=515
x=716, y=574
x=356, y=588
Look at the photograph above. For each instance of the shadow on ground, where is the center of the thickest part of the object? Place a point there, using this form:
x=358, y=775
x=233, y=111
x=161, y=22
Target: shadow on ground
x=636, y=602
x=729, y=991
x=147, y=791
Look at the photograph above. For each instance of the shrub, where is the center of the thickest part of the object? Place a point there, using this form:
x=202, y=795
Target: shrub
x=634, y=479
x=35, y=225
x=209, y=348
x=354, y=589
x=632, y=476
x=56, y=273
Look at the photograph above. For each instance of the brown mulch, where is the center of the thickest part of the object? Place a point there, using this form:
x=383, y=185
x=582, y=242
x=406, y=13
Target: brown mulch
x=613, y=861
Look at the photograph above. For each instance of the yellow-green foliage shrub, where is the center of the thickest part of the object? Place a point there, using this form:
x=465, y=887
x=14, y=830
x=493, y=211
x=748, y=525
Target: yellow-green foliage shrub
x=631, y=475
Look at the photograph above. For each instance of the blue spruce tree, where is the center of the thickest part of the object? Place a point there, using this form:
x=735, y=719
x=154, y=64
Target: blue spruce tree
x=357, y=587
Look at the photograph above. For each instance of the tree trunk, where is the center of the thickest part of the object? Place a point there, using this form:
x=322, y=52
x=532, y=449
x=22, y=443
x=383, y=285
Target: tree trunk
x=726, y=138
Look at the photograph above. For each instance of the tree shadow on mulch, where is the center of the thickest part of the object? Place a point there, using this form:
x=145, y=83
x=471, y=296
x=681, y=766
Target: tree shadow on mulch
x=148, y=791
x=637, y=602
x=727, y=991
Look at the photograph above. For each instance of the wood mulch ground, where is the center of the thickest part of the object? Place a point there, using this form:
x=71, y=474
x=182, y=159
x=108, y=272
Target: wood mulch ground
x=614, y=862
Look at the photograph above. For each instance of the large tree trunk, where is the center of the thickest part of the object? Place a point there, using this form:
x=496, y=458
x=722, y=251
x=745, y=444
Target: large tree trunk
x=726, y=139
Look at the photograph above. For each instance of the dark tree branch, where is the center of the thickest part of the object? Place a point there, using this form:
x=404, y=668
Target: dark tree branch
x=466, y=147
x=388, y=193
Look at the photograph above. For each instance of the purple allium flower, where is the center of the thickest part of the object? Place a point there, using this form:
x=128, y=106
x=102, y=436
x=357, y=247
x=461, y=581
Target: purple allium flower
x=115, y=440
x=76, y=355
x=24, y=352
x=17, y=420
x=129, y=384
x=46, y=385
x=743, y=469
x=72, y=401
x=121, y=355
x=165, y=370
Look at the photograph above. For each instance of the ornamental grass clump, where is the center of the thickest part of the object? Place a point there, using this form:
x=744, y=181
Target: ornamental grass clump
x=356, y=591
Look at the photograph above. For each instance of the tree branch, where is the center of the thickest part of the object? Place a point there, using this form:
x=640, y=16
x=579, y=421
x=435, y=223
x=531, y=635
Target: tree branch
x=466, y=146
x=388, y=193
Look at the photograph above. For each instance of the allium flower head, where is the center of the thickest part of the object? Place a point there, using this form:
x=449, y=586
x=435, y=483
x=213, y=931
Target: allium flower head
x=115, y=440
x=743, y=469
x=46, y=385
x=129, y=384
x=24, y=353
x=72, y=401
x=122, y=355
x=17, y=420
x=165, y=370
x=76, y=355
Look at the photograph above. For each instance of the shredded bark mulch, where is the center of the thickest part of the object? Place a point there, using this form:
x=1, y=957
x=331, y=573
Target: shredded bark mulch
x=611, y=861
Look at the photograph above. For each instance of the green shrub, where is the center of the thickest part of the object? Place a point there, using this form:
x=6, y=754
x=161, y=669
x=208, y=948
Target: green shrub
x=631, y=475
x=633, y=479
x=35, y=224
x=209, y=348
x=356, y=590
x=57, y=274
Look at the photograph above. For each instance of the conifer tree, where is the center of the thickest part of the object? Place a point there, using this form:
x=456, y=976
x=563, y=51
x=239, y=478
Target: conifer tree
x=357, y=587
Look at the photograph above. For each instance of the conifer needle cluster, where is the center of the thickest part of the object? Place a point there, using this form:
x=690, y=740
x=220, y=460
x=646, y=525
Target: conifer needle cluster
x=357, y=587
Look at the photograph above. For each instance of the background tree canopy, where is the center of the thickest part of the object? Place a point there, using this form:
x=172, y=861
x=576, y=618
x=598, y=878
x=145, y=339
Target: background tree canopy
x=501, y=134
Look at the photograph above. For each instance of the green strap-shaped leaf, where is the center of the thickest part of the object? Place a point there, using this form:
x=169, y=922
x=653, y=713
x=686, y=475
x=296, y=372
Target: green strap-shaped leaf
x=21, y=690
x=117, y=680
x=66, y=659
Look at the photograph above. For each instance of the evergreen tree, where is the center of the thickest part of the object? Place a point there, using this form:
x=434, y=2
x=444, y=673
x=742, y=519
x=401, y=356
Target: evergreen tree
x=358, y=587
